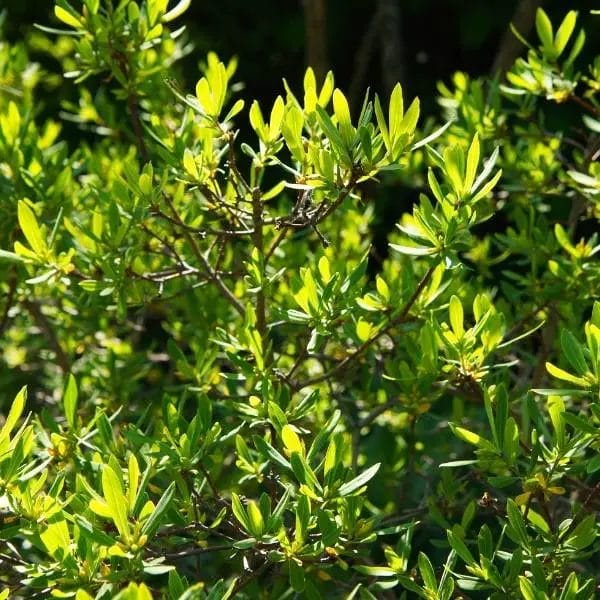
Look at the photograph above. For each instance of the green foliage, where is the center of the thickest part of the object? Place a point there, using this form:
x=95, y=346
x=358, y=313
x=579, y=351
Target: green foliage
x=222, y=401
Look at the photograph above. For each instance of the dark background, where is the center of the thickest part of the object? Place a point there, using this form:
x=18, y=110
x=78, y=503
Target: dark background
x=430, y=39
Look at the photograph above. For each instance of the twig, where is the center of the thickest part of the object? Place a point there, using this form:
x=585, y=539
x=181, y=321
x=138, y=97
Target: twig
x=258, y=242
x=225, y=291
x=42, y=322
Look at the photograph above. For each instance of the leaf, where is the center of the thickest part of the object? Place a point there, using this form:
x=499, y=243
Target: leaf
x=458, y=545
x=471, y=437
x=68, y=17
x=515, y=518
x=133, y=471
x=363, y=330
x=565, y=376
x=302, y=520
x=375, y=571
x=342, y=114
x=427, y=572
x=291, y=440
x=14, y=414
x=31, y=229
x=584, y=534
x=564, y=32
x=409, y=122
x=544, y=30
x=176, y=11
x=385, y=135
x=359, y=481
x=436, y=134
x=396, y=111
x=112, y=490
x=296, y=571
x=70, y=400
x=472, y=163
x=255, y=519
x=240, y=513
x=269, y=452
x=456, y=316
x=574, y=352
x=413, y=250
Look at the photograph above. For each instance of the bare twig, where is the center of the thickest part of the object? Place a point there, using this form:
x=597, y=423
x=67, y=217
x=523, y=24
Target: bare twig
x=225, y=291
x=43, y=323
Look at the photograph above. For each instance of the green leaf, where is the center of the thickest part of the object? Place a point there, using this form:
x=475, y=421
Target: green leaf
x=240, y=512
x=255, y=519
x=427, y=572
x=458, y=545
x=70, y=400
x=456, y=316
x=31, y=229
x=68, y=17
x=515, y=518
x=342, y=114
x=544, y=30
x=385, y=135
x=396, y=111
x=565, y=376
x=564, y=32
x=269, y=452
x=471, y=438
x=574, y=352
x=291, y=440
x=472, y=163
x=14, y=414
x=584, y=534
x=302, y=520
x=359, y=481
x=112, y=490
x=296, y=571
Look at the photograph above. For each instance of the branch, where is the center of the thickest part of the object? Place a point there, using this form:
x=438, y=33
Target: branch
x=43, y=323
x=225, y=291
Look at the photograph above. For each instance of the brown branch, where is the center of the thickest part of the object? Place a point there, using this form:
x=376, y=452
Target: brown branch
x=585, y=105
x=136, y=123
x=43, y=323
x=223, y=289
x=258, y=242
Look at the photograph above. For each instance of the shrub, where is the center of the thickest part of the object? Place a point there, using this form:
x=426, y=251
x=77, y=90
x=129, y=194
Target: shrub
x=224, y=400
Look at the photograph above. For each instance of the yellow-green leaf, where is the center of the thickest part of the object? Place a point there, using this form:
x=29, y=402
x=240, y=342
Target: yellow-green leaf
x=363, y=330
x=31, y=229
x=67, y=18
x=115, y=499
x=291, y=440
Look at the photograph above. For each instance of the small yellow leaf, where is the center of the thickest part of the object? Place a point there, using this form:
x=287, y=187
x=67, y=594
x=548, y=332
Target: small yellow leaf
x=324, y=269
x=292, y=440
x=66, y=17
x=363, y=330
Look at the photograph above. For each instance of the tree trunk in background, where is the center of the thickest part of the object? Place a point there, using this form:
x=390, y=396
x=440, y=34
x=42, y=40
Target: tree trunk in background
x=362, y=60
x=392, y=52
x=315, y=19
x=510, y=47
